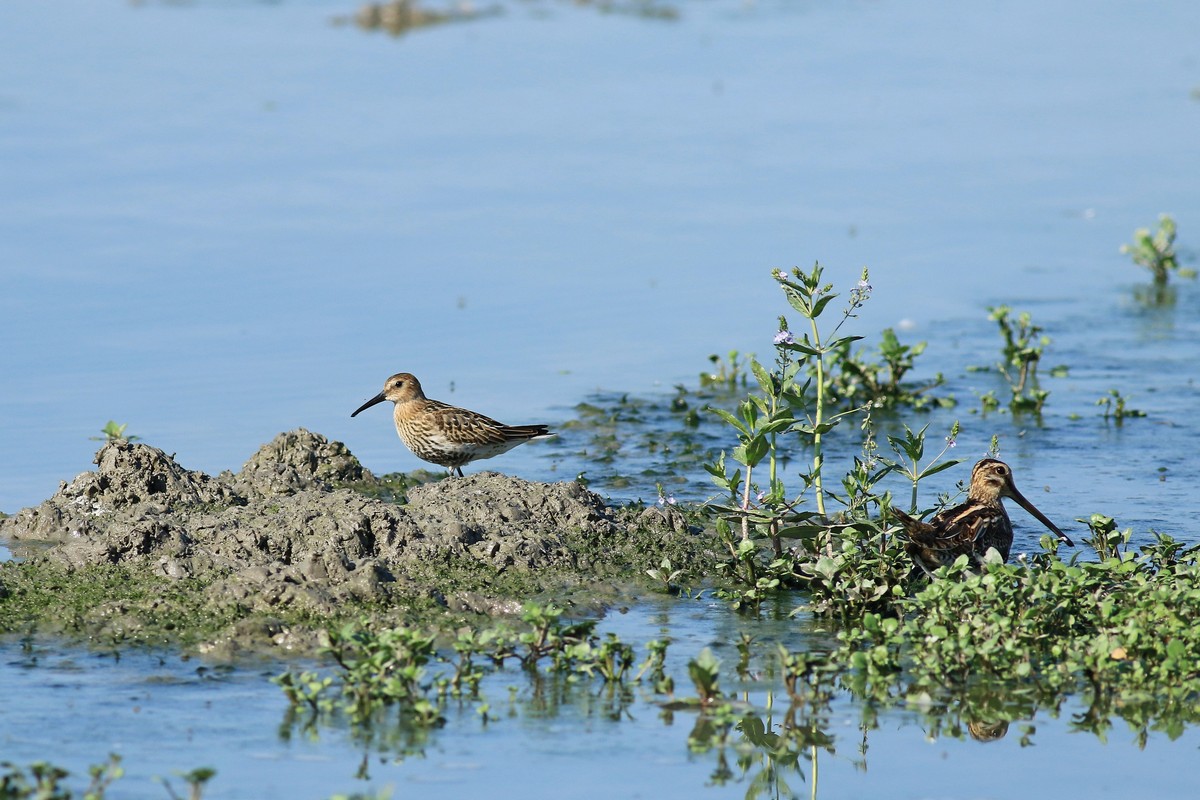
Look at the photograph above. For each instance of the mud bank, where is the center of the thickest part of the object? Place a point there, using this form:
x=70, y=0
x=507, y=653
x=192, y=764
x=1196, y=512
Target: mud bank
x=282, y=547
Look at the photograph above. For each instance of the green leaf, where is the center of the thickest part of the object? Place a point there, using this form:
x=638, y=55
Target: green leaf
x=731, y=419
x=936, y=468
x=819, y=306
x=806, y=349
x=764, y=379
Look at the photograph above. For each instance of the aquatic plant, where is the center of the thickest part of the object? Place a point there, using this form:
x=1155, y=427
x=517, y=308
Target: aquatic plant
x=705, y=672
x=846, y=559
x=1156, y=251
x=859, y=379
x=42, y=780
x=196, y=780
x=654, y=667
x=665, y=575
x=786, y=404
x=402, y=669
x=115, y=433
x=1024, y=345
x=911, y=449
x=1116, y=409
x=1122, y=628
x=728, y=372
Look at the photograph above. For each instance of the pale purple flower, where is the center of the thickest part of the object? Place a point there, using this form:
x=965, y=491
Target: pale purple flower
x=784, y=337
x=950, y=443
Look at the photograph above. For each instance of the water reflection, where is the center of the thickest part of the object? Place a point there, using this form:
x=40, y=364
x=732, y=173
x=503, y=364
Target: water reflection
x=398, y=17
x=767, y=734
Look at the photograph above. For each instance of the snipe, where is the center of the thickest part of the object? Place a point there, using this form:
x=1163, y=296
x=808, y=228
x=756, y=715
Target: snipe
x=974, y=526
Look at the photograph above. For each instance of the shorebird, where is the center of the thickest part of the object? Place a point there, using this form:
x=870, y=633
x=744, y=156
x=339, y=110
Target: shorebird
x=446, y=435
x=974, y=526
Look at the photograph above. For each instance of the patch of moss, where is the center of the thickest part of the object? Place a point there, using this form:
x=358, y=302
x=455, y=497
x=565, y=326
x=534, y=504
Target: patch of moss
x=392, y=487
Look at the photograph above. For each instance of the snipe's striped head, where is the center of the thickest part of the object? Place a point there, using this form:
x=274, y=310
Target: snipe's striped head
x=992, y=479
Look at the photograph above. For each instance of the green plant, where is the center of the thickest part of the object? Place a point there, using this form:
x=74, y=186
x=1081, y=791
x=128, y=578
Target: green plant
x=549, y=633
x=726, y=373
x=1156, y=252
x=114, y=433
x=654, y=667
x=1122, y=628
x=1104, y=538
x=379, y=670
x=880, y=384
x=665, y=575
x=705, y=672
x=43, y=780
x=307, y=689
x=196, y=781
x=1115, y=408
x=911, y=449
x=787, y=403
x=845, y=559
x=1024, y=344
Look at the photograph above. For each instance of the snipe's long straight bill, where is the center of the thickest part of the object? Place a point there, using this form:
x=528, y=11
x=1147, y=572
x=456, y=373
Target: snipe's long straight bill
x=376, y=400
x=1039, y=516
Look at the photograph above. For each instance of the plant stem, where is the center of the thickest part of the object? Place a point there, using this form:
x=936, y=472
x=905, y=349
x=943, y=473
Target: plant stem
x=746, y=504
x=818, y=418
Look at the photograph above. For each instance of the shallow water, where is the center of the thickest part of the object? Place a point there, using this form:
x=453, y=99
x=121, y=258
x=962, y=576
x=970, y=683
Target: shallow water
x=75, y=707
x=221, y=220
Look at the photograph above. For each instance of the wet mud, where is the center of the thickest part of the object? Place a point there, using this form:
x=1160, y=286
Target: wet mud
x=285, y=534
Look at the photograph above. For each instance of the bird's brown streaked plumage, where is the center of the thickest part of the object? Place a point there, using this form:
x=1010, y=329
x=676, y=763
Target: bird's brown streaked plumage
x=974, y=526
x=444, y=434
x=988, y=731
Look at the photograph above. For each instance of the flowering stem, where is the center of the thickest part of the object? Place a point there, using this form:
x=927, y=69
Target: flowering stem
x=746, y=504
x=818, y=417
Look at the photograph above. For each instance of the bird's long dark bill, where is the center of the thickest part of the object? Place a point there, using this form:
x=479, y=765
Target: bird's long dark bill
x=1039, y=516
x=379, y=398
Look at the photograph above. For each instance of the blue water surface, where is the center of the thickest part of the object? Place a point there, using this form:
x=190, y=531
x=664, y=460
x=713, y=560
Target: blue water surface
x=221, y=220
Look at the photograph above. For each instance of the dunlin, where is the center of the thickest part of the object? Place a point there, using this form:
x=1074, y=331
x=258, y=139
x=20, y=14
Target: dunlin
x=446, y=435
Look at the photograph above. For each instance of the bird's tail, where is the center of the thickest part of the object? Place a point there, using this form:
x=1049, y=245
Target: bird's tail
x=527, y=431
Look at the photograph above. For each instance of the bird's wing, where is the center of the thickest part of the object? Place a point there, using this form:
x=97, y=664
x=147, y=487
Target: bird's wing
x=459, y=425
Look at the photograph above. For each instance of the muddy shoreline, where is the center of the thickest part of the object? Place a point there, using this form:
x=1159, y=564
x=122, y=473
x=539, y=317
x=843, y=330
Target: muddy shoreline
x=143, y=549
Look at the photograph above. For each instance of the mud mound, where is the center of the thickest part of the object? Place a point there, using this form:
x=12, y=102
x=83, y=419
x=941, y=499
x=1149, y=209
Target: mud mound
x=506, y=521
x=295, y=461
x=131, y=479
x=279, y=534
